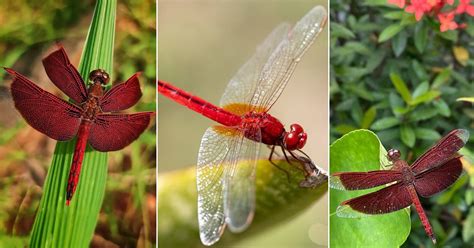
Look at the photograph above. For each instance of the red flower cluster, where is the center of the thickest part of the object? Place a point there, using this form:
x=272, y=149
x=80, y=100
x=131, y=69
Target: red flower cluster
x=435, y=8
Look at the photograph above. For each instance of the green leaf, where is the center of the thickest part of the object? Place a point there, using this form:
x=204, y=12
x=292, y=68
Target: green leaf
x=369, y=117
x=442, y=78
x=426, y=97
x=426, y=134
x=385, y=230
x=407, y=134
x=399, y=43
x=384, y=123
x=401, y=87
x=57, y=225
x=421, y=36
x=468, y=230
x=277, y=201
x=442, y=107
x=421, y=89
x=389, y=32
x=344, y=128
x=338, y=30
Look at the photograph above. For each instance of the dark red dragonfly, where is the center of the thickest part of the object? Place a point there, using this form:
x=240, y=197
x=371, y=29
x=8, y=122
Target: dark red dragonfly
x=88, y=117
x=226, y=184
x=434, y=171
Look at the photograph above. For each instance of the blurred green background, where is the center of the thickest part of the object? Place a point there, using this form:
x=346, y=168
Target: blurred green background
x=402, y=79
x=29, y=32
x=201, y=46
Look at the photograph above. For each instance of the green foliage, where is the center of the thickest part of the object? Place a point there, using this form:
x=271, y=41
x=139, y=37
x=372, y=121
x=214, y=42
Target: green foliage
x=416, y=79
x=388, y=230
x=277, y=201
x=57, y=224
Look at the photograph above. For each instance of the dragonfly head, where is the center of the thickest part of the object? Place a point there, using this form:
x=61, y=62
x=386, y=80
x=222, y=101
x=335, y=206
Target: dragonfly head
x=295, y=138
x=100, y=76
x=393, y=155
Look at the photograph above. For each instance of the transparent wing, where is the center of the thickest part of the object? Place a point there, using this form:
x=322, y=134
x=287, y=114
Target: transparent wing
x=242, y=86
x=282, y=62
x=215, y=145
x=239, y=191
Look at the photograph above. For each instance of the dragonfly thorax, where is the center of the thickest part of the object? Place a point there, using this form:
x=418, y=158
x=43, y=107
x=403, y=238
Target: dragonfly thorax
x=271, y=129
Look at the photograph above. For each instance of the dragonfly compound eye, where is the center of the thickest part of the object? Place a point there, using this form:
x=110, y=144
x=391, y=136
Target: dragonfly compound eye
x=99, y=75
x=295, y=138
x=393, y=154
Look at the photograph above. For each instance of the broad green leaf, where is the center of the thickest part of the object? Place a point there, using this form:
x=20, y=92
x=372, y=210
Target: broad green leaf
x=344, y=128
x=387, y=230
x=57, y=225
x=407, y=135
x=384, y=123
x=389, y=32
x=423, y=113
x=421, y=89
x=401, y=87
x=277, y=201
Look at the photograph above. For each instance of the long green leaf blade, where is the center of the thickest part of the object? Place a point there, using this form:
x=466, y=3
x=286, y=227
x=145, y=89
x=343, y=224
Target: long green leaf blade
x=57, y=225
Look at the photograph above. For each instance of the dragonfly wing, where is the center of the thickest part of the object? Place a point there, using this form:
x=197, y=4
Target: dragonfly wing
x=363, y=180
x=65, y=76
x=112, y=132
x=239, y=191
x=436, y=180
x=211, y=171
x=441, y=151
x=44, y=111
x=386, y=200
x=242, y=86
x=282, y=62
x=122, y=96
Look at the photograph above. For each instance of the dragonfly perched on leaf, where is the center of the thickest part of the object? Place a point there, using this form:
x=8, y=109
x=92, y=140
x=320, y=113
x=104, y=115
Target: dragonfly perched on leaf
x=228, y=152
x=437, y=169
x=91, y=116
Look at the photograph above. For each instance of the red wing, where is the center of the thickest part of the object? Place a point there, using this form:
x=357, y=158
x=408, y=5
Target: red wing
x=122, y=96
x=363, y=180
x=386, y=200
x=441, y=151
x=436, y=180
x=112, y=132
x=65, y=76
x=44, y=111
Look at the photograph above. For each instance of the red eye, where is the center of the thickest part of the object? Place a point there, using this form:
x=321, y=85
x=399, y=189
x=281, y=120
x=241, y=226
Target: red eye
x=295, y=138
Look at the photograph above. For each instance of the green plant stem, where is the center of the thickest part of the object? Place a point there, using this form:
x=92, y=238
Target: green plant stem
x=277, y=200
x=57, y=225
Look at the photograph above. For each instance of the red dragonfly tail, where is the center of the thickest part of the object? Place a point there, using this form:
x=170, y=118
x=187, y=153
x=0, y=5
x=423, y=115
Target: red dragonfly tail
x=422, y=214
x=78, y=156
x=197, y=104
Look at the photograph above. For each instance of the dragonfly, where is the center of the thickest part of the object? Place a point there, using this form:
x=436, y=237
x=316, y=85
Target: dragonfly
x=92, y=116
x=225, y=184
x=434, y=171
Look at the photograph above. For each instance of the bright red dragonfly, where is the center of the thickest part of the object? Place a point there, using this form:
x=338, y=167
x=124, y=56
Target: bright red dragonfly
x=226, y=186
x=434, y=171
x=87, y=117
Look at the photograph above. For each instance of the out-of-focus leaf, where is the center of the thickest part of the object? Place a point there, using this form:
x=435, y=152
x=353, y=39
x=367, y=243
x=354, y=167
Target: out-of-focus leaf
x=399, y=42
x=369, y=117
x=468, y=229
x=442, y=107
x=389, y=32
x=426, y=97
x=401, y=87
x=442, y=78
x=461, y=54
x=385, y=123
x=407, y=135
x=426, y=134
x=338, y=30
x=421, y=36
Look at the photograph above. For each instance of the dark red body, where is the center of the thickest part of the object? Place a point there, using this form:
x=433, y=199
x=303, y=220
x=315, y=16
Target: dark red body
x=87, y=117
x=434, y=171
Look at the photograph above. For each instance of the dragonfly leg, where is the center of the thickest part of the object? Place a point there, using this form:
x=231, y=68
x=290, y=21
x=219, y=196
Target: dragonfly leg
x=272, y=151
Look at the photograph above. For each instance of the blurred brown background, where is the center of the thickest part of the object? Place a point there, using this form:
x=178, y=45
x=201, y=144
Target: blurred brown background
x=201, y=45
